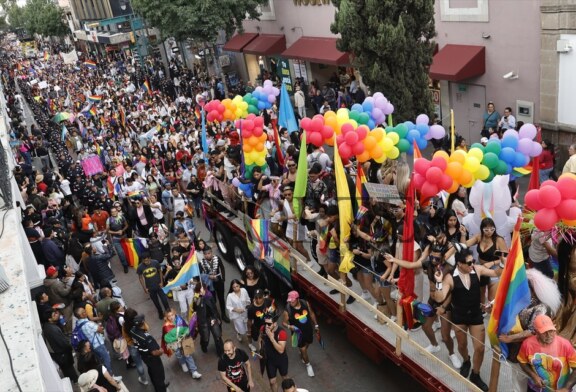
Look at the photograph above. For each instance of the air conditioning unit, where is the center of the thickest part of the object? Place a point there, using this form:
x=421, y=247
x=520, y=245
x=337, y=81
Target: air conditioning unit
x=563, y=46
x=525, y=111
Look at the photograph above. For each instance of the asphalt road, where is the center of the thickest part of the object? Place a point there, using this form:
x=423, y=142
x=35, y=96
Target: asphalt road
x=340, y=367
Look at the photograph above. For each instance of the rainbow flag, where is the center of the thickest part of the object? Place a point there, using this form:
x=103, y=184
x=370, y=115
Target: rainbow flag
x=95, y=98
x=361, y=192
x=90, y=64
x=46, y=55
x=93, y=111
x=146, y=86
x=259, y=231
x=282, y=262
x=197, y=113
x=133, y=248
x=513, y=293
x=189, y=270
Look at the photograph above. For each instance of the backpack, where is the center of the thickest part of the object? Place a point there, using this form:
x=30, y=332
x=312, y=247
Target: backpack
x=113, y=329
x=78, y=335
x=314, y=159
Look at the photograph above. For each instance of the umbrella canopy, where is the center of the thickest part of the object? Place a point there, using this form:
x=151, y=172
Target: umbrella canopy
x=61, y=116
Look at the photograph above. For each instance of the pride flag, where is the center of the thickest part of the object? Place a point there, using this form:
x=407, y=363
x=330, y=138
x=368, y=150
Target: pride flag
x=93, y=111
x=361, y=192
x=259, y=237
x=344, y=211
x=189, y=270
x=146, y=86
x=282, y=262
x=133, y=248
x=197, y=113
x=90, y=64
x=46, y=55
x=513, y=293
x=95, y=98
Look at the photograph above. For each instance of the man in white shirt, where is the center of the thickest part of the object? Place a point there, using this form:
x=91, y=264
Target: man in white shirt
x=300, y=102
x=288, y=385
x=508, y=121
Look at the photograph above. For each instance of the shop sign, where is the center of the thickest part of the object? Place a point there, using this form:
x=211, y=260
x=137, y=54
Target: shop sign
x=284, y=71
x=300, y=69
x=436, y=102
x=312, y=2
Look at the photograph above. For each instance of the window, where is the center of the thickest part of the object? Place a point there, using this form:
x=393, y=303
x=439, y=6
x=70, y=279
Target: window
x=267, y=11
x=464, y=11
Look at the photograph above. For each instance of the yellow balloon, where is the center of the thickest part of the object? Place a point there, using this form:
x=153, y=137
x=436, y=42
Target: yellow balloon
x=353, y=122
x=568, y=175
x=261, y=161
x=343, y=112
x=329, y=114
x=471, y=164
x=458, y=156
x=393, y=153
x=378, y=134
x=381, y=159
x=386, y=144
x=482, y=173
x=443, y=154
x=394, y=137
x=476, y=153
x=470, y=184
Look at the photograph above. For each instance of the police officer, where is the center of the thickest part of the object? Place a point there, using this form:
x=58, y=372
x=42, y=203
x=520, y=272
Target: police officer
x=104, y=202
x=150, y=352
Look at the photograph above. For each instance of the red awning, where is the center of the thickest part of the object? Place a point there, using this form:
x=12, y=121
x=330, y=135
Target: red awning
x=458, y=62
x=266, y=45
x=238, y=42
x=317, y=50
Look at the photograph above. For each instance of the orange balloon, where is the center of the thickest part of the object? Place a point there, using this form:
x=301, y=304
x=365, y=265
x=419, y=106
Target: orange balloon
x=369, y=142
x=458, y=156
x=253, y=141
x=454, y=170
x=329, y=141
x=247, y=148
x=443, y=154
x=568, y=222
x=259, y=147
x=568, y=175
x=329, y=114
x=454, y=187
x=365, y=156
x=331, y=121
x=377, y=133
x=465, y=177
x=263, y=137
x=377, y=151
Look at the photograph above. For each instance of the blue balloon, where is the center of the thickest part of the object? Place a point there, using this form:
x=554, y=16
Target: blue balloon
x=422, y=143
x=422, y=128
x=367, y=106
x=410, y=125
x=256, y=94
x=510, y=141
x=507, y=154
x=413, y=135
x=357, y=108
x=519, y=160
x=261, y=105
x=410, y=150
x=508, y=168
x=371, y=124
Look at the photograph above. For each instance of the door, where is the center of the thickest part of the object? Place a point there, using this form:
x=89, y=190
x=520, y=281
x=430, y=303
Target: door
x=468, y=102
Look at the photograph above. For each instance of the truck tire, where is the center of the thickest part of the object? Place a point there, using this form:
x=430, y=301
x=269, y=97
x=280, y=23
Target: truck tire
x=222, y=236
x=241, y=256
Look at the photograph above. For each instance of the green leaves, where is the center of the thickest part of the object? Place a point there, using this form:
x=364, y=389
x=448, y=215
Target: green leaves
x=38, y=17
x=391, y=43
x=201, y=20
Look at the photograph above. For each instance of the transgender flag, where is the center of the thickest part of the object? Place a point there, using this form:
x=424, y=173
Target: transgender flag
x=513, y=293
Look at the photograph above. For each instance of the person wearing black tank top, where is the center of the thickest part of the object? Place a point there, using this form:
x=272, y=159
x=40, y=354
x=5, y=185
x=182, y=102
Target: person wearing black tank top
x=462, y=290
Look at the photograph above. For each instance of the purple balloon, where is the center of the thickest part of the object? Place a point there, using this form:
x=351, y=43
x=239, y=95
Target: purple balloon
x=436, y=132
x=428, y=136
x=380, y=103
x=377, y=113
x=378, y=95
x=422, y=119
x=276, y=91
x=267, y=82
x=528, y=131
x=236, y=182
x=524, y=146
x=271, y=98
x=389, y=109
x=511, y=132
x=536, y=149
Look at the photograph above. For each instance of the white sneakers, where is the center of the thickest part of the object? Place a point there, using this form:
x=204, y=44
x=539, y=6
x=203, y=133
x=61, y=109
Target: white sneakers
x=252, y=347
x=309, y=370
x=196, y=375
x=435, y=326
x=432, y=349
x=366, y=295
x=143, y=382
x=184, y=368
x=456, y=362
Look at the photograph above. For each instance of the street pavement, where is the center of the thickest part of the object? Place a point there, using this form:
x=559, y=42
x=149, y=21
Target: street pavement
x=340, y=367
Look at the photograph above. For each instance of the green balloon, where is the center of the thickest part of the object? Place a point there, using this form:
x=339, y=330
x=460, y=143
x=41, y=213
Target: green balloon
x=490, y=160
x=403, y=145
x=479, y=146
x=493, y=146
x=247, y=97
x=253, y=109
x=402, y=130
x=390, y=129
x=253, y=101
x=490, y=177
x=363, y=118
x=501, y=168
x=354, y=116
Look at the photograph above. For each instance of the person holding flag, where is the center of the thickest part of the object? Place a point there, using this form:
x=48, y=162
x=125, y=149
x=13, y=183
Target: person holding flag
x=174, y=331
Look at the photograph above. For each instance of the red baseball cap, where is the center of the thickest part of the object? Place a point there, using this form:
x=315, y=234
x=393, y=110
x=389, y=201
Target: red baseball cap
x=543, y=324
x=51, y=271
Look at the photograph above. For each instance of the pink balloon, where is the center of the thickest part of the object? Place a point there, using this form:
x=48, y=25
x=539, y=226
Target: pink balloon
x=305, y=123
x=439, y=162
x=549, y=182
x=340, y=140
x=357, y=149
x=346, y=128
x=248, y=125
x=327, y=132
x=362, y=132
x=567, y=187
x=220, y=108
x=567, y=209
x=421, y=166
x=246, y=133
x=419, y=180
x=351, y=138
x=445, y=182
x=259, y=121
x=210, y=116
x=532, y=200
x=315, y=138
x=317, y=125
x=345, y=151
x=318, y=116
x=429, y=190
x=433, y=175
x=258, y=131
x=546, y=219
x=549, y=196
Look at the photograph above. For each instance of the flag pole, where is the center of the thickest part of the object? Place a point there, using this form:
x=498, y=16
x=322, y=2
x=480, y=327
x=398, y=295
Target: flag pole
x=452, y=141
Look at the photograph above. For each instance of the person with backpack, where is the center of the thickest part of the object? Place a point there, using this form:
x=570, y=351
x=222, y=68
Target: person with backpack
x=300, y=319
x=114, y=332
x=94, y=334
x=319, y=156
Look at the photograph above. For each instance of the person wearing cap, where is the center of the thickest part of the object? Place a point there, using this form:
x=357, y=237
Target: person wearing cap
x=99, y=218
x=59, y=293
x=150, y=351
x=235, y=368
x=299, y=318
x=549, y=359
x=273, y=341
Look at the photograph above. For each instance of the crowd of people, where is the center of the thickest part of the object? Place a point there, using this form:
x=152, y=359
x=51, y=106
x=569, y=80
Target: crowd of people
x=154, y=175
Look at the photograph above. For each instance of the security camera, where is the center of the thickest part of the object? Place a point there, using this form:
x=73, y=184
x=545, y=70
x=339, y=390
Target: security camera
x=508, y=75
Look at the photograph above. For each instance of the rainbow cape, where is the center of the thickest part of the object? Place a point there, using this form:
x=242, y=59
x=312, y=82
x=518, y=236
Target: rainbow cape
x=189, y=270
x=513, y=293
x=133, y=248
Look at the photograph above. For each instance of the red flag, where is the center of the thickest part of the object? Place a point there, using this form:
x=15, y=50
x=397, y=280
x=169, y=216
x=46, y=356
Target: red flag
x=535, y=175
x=406, y=281
x=278, y=144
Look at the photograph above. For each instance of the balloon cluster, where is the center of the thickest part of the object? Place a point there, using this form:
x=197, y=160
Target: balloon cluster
x=317, y=132
x=372, y=111
x=554, y=201
x=265, y=96
x=253, y=140
x=227, y=109
x=214, y=110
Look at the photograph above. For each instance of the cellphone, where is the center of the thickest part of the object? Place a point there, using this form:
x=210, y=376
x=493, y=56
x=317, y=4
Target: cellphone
x=502, y=253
